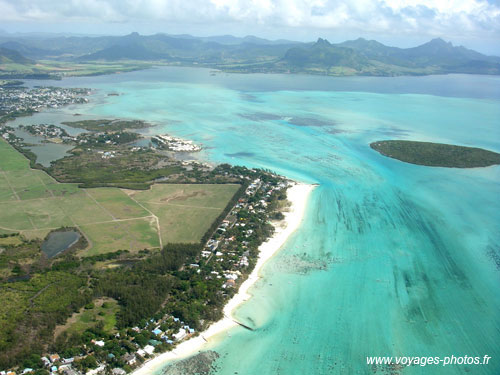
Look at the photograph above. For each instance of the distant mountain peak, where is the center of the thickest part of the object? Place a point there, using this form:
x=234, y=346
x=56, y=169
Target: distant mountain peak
x=437, y=45
x=363, y=42
x=440, y=41
x=322, y=42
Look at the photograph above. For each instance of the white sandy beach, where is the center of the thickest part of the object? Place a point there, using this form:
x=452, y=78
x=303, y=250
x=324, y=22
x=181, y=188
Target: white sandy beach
x=298, y=196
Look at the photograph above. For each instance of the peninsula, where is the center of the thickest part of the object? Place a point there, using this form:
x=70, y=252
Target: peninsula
x=118, y=252
x=436, y=154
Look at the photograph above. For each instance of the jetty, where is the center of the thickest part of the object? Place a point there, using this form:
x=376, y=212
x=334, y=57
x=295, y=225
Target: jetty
x=243, y=325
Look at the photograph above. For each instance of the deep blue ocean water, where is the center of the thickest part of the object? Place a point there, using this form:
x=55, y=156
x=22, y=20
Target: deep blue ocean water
x=392, y=258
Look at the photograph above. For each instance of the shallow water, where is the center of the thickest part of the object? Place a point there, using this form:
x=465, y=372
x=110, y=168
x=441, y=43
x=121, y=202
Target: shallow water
x=57, y=242
x=392, y=258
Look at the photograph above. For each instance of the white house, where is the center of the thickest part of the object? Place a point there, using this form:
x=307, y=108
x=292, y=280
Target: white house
x=149, y=349
x=180, y=335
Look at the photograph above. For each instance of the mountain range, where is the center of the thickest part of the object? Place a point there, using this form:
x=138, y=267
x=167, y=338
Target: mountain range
x=253, y=54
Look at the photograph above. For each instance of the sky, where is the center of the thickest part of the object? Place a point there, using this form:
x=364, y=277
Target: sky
x=403, y=23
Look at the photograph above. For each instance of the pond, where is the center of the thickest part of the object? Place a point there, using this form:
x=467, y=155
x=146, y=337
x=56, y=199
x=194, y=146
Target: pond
x=57, y=242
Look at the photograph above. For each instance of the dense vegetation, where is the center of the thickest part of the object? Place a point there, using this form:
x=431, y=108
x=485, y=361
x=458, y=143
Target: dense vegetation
x=436, y=154
x=127, y=169
x=107, y=125
x=102, y=139
x=31, y=309
x=147, y=285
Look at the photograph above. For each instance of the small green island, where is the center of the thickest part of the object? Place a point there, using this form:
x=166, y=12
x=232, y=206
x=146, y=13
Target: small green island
x=436, y=154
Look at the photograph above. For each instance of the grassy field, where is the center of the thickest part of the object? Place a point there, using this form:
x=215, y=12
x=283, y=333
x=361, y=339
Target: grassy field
x=33, y=203
x=74, y=69
x=91, y=68
x=185, y=212
x=130, y=234
x=104, y=310
x=15, y=240
x=117, y=203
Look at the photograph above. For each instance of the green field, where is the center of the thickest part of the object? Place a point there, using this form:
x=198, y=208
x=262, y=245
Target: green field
x=132, y=235
x=59, y=68
x=117, y=203
x=185, y=212
x=7, y=241
x=33, y=203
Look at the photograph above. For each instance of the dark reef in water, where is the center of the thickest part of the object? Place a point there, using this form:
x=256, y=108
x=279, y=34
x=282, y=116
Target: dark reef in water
x=311, y=121
x=200, y=364
x=241, y=154
x=436, y=154
x=260, y=116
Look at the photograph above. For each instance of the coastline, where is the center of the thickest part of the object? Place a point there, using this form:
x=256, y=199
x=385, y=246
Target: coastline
x=298, y=195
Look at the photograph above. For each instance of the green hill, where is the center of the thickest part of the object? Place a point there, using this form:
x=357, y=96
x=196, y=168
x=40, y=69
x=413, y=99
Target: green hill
x=323, y=56
x=27, y=51
x=8, y=56
x=133, y=51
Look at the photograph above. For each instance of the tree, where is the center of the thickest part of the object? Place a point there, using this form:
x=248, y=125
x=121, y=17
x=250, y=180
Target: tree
x=89, y=362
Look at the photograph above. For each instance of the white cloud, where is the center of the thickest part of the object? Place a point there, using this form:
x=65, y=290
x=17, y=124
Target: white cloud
x=428, y=17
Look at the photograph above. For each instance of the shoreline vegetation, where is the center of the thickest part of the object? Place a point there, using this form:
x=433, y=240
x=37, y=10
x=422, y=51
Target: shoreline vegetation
x=107, y=125
x=298, y=195
x=436, y=154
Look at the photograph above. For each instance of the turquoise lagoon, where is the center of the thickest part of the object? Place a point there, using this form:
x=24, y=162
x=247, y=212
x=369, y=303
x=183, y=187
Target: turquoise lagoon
x=392, y=259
